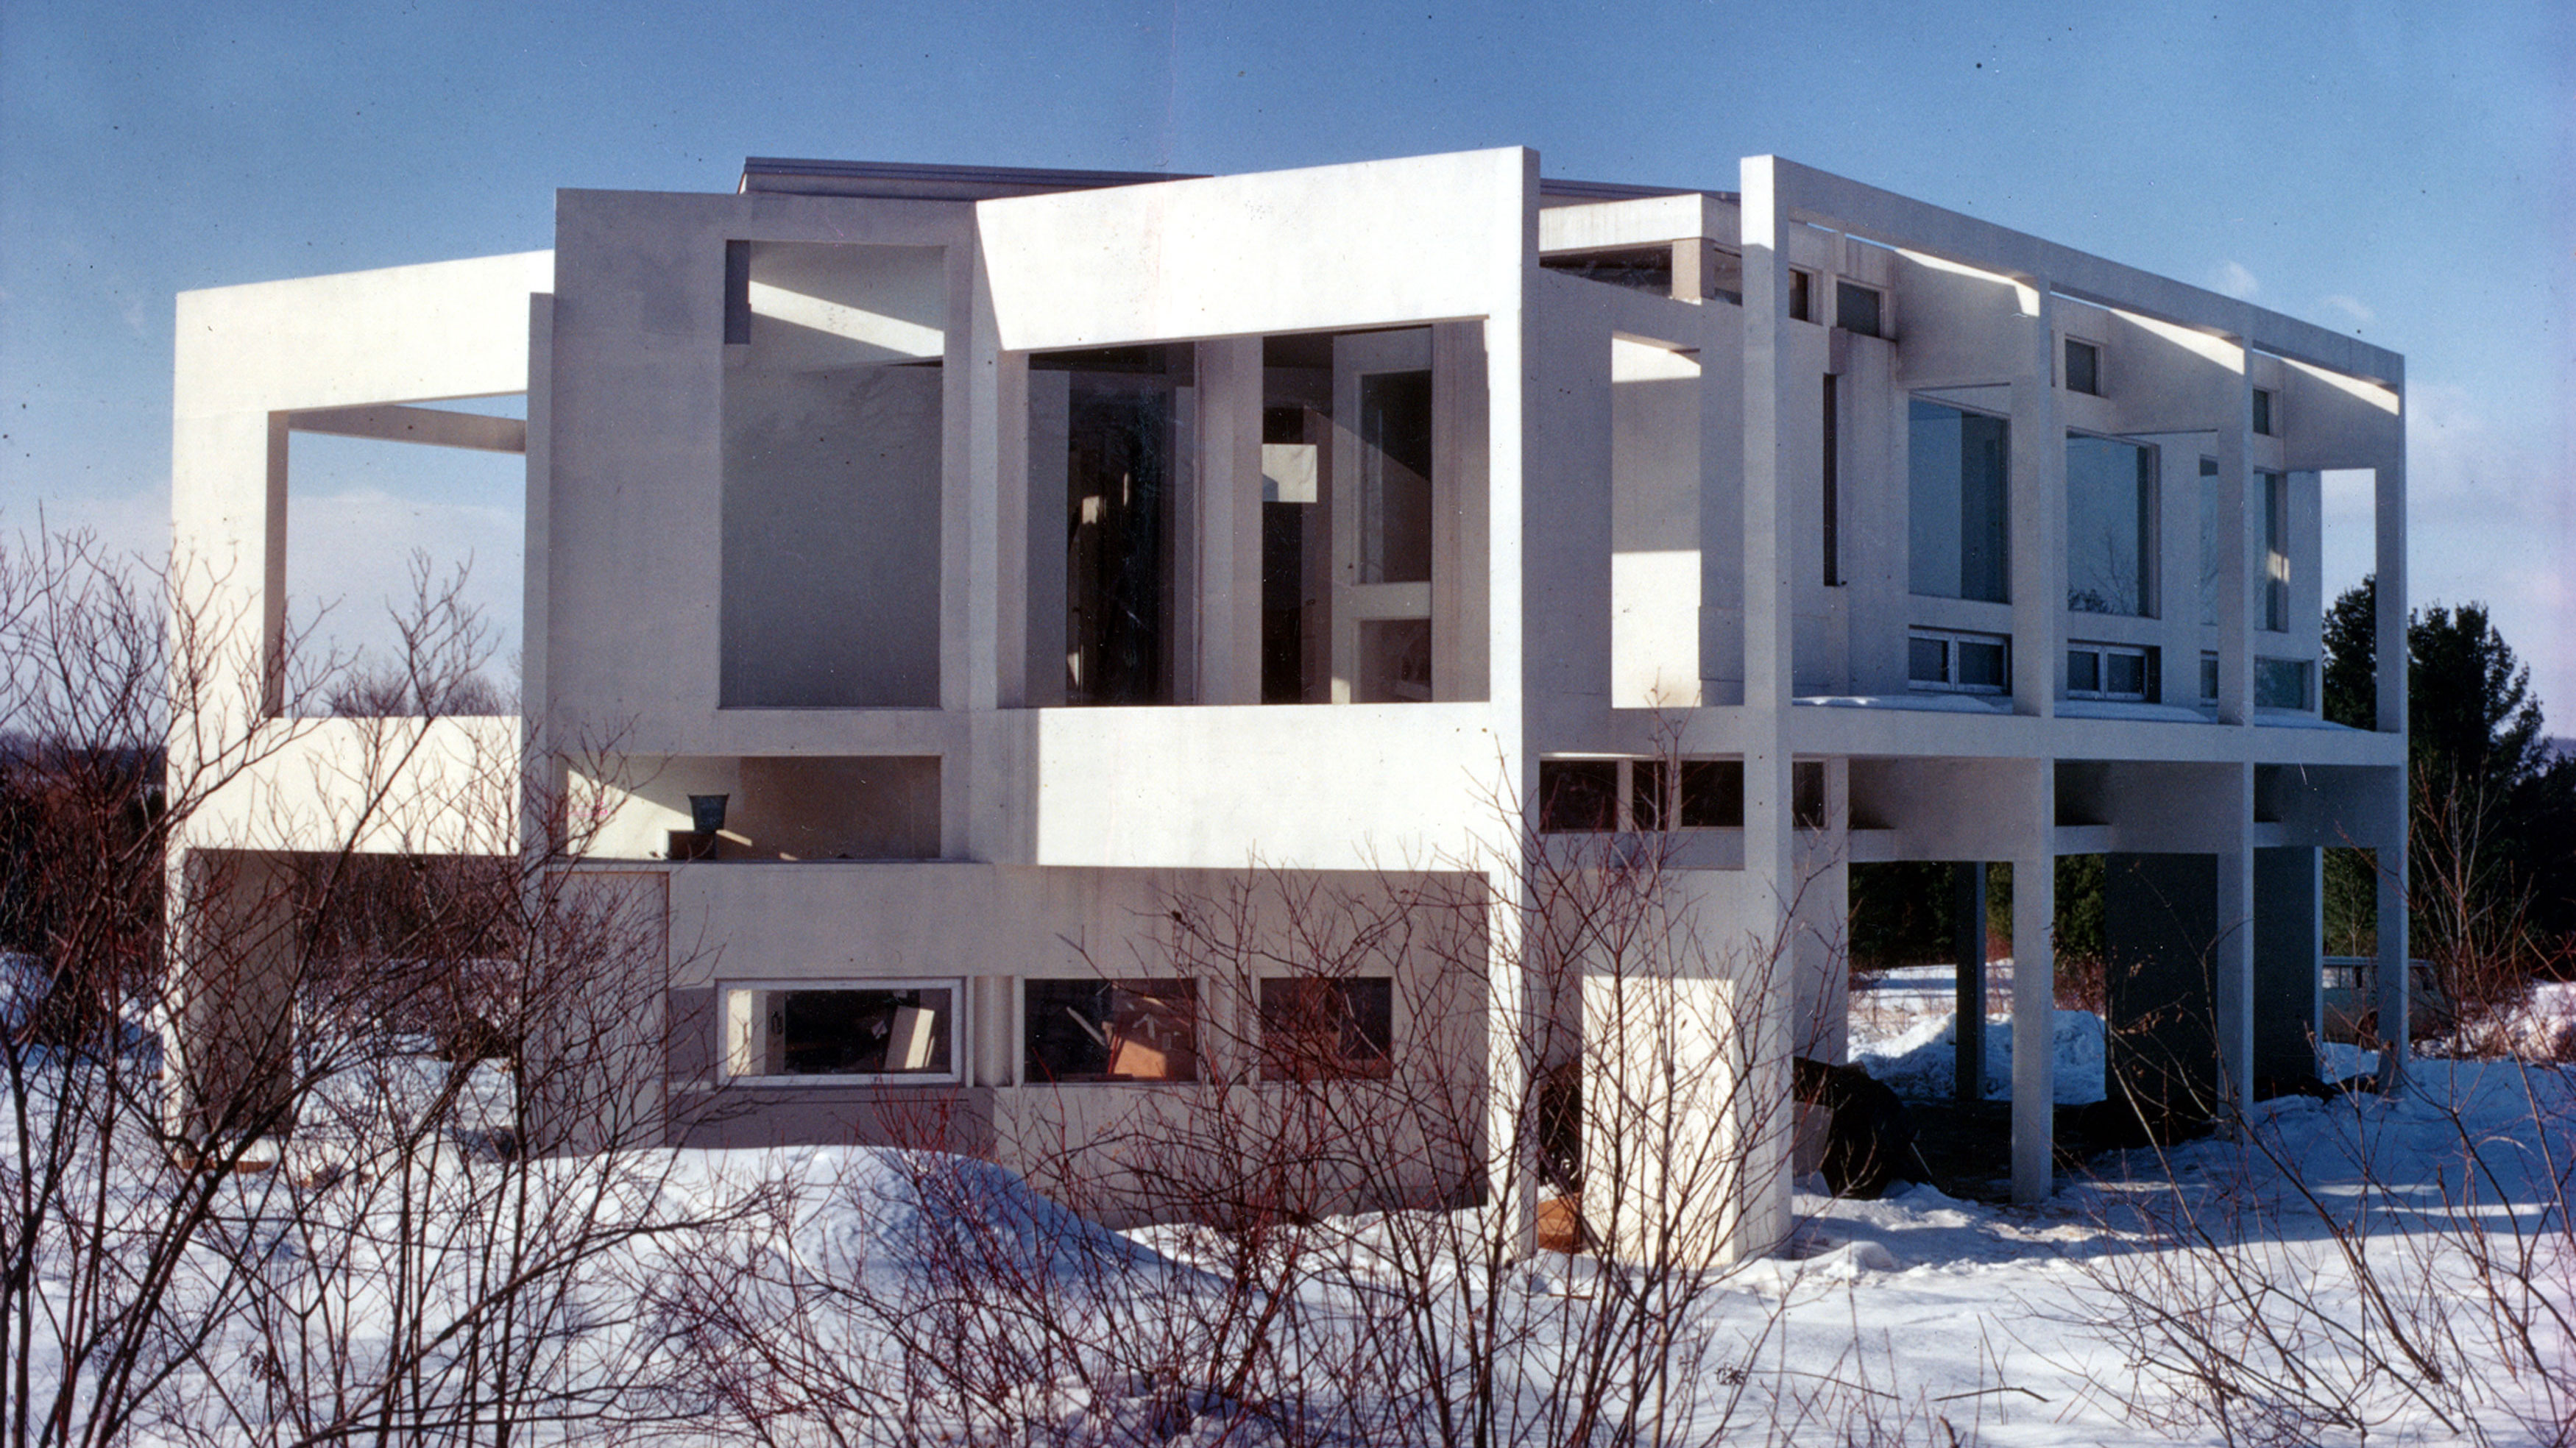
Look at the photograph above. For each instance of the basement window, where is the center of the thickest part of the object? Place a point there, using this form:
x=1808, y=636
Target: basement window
x=1322, y=1028
x=1957, y=663
x=884, y=1031
x=2110, y=671
x=1857, y=309
x=1110, y=1030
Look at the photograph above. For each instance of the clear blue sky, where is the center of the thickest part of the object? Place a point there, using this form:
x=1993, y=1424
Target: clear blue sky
x=2406, y=171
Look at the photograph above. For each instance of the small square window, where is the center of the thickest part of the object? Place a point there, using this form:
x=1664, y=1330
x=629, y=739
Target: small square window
x=2083, y=671
x=1110, y=1030
x=1322, y=1028
x=2083, y=367
x=2280, y=683
x=1981, y=664
x=1802, y=307
x=1856, y=308
x=2263, y=418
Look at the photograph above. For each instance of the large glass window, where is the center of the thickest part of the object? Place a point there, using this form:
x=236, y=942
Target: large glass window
x=2280, y=683
x=1960, y=540
x=1111, y=419
x=1111, y=1030
x=2110, y=526
x=2211, y=563
x=2276, y=551
x=1324, y=1028
x=895, y=1029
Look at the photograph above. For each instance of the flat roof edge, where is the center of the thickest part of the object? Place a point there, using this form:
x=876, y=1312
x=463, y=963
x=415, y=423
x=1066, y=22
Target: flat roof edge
x=894, y=180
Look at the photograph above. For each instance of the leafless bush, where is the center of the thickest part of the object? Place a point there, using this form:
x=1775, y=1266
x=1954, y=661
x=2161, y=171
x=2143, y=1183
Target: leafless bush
x=301, y=1227
x=1287, y=1307
x=2267, y=1308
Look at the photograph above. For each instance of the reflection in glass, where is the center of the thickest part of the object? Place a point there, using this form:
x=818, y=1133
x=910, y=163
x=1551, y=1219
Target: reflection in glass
x=2110, y=520
x=1395, y=477
x=1958, y=517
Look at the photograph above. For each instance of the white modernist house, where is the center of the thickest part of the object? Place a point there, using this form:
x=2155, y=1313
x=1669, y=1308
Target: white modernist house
x=1008, y=550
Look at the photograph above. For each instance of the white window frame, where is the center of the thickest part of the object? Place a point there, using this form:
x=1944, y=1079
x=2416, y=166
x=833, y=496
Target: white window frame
x=2102, y=653
x=1950, y=638
x=954, y=1075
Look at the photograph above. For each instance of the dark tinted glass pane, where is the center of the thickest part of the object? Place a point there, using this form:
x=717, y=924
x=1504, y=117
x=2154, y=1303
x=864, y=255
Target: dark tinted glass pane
x=1856, y=309
x=1395, y=477
x=1981, y=665
x=1317, y=1028
x=2263, y=411
x=1578, y=795
x=1097, y=1030
x=1646, y=783
x=1927, y=661
x=2209, y=676
x=1807, y=794
x=2124, y=674
x=2083, y=367
x=1801, y=297
x=2109, y=511
x=2280, y=684
x=2083, y=671
x=862, y=1032
x=1712, y=794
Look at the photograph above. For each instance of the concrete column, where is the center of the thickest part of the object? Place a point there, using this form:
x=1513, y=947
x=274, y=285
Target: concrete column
x=1968, y=904
x=2396, y=1038
x=1228, y=521
x=2289, y=940
x=2240, y=565
x=1821, y=1027
x=1769, y=886
x=1685, y=1104
x=2034, y=993
x=2232, y=953
x=2036, y=493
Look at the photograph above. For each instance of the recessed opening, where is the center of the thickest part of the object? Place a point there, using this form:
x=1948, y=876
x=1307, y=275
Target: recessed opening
x=2083, y=367
x=406, y=512
x=1700, y=794
x=2110, y=526
x=832, y=438
x=1581, y=795
x=1858, y=308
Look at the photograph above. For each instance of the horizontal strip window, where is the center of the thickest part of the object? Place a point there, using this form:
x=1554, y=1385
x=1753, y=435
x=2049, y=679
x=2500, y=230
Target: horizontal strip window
x=1958, y=663
x=1327, y=1028
x=2110, y=671
x=895, y=1031
x=1080, y=1031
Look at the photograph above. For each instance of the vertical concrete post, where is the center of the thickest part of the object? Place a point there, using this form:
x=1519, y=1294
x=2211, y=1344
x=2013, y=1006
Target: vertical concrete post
x=2034, y=991
x=2238, y=563
x=2035, y=494
x=2232, y=953
x=1770, y=861
x=1229, y=521
x=1968, y=904
x=2395, y=1025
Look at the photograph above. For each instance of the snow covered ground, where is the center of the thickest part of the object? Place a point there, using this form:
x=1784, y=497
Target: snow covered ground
x=2351, y=1270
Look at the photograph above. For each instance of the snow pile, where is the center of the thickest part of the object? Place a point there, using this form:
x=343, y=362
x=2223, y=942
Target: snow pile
x=1921, y=1061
